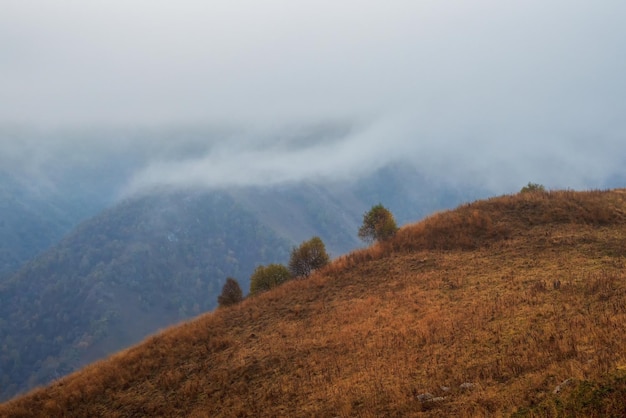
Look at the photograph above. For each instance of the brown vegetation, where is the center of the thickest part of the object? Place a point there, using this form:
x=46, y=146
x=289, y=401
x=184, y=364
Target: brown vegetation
x=485, y=310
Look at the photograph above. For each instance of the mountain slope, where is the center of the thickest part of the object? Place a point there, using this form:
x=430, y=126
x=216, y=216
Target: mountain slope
x=513, y=305
x=138, y=267
x=150, y=261
x=334, y=210
x=33, y=217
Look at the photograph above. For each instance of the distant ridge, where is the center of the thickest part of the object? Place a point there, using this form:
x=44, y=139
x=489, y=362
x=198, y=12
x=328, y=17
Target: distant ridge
x=512, y=306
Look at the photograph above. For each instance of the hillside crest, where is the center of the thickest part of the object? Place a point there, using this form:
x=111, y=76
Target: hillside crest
x=485, y=309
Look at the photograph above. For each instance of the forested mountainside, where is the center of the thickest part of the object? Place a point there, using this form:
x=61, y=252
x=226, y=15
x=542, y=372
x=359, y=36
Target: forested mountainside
x=31, y=221
x=140, y=266
x=37, y=210
x=511, y=306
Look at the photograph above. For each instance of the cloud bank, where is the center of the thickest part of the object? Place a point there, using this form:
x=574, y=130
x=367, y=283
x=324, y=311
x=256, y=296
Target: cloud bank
x=497, y=93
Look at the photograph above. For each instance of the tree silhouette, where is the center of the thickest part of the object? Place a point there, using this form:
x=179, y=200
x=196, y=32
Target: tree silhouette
x=378, y=224
x=231, y=293
x=309, y=256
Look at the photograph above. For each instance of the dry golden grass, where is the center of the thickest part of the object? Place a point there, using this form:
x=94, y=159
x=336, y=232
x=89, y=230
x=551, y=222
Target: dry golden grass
x=488, y=308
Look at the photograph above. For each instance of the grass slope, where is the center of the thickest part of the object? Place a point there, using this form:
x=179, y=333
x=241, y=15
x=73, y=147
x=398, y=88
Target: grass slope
x=510, y=306
x=138, y=267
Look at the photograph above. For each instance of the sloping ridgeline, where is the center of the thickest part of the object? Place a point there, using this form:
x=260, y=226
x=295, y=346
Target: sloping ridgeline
x=512, y=306
x=138, y=267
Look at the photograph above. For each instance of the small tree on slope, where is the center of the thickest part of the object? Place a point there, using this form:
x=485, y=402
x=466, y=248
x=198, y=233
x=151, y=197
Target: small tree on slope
x=309, y=256
x=378, y=224
x=267, y=277
x=231, y=293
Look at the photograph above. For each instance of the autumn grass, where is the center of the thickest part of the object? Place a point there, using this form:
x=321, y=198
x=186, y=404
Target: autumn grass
x=487, y=308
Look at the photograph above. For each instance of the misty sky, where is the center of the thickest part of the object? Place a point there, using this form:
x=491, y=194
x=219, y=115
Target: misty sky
x=497, y=93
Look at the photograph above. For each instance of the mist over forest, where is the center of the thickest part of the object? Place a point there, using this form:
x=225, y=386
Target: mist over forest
x=235, y=94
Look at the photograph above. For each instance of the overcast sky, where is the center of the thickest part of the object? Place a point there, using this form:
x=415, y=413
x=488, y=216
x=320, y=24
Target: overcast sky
x=497, y=92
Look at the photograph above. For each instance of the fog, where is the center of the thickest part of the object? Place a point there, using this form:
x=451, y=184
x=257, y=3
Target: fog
x=230, y=93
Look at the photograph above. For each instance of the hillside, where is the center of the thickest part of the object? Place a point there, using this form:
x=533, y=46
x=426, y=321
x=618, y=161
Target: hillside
x=143, y=265
x=510, y=306
x=334, y=210
x=152, y=260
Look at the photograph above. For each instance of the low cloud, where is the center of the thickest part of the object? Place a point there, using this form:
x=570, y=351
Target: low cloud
x=238, y=93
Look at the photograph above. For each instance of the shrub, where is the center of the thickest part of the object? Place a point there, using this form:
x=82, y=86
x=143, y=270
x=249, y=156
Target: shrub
x=267, y=277
x=533, y=187
x=309, y=256
x=231, y=293
x=378, y=224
